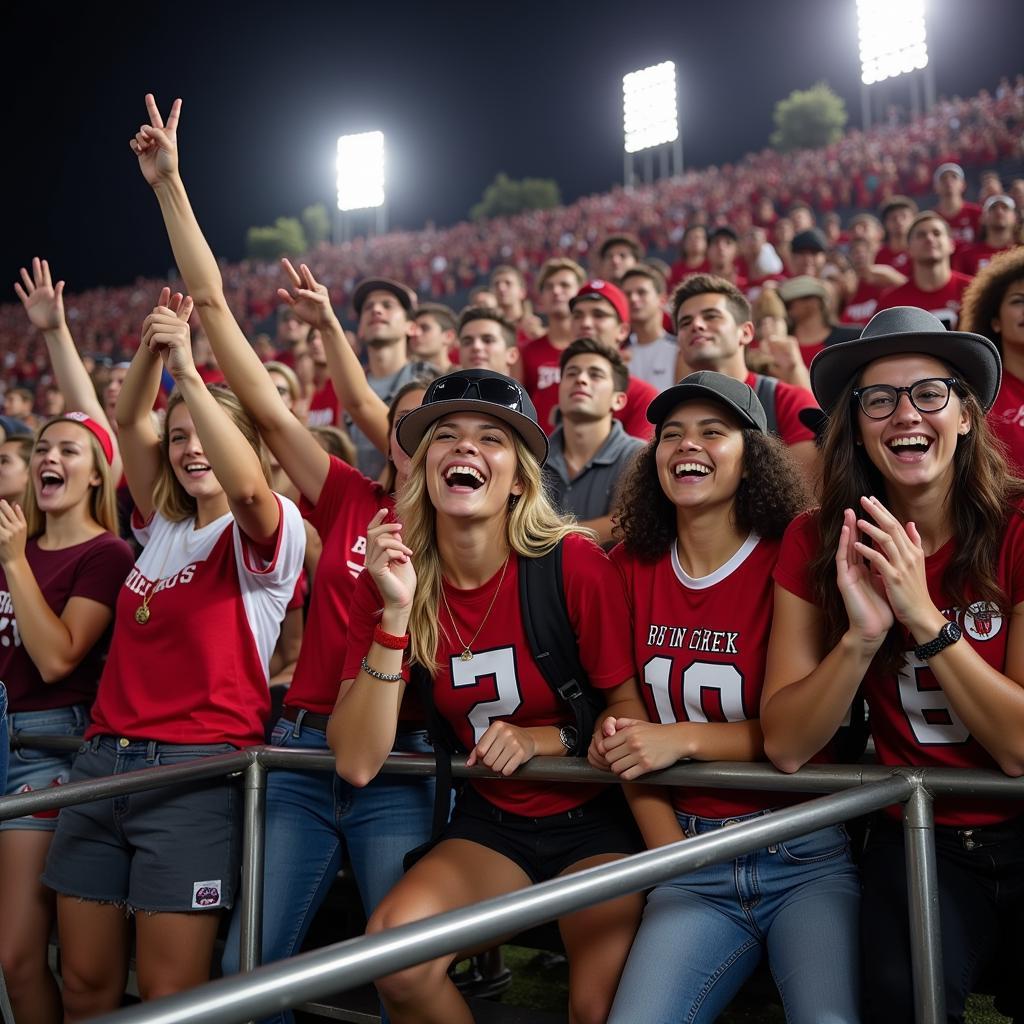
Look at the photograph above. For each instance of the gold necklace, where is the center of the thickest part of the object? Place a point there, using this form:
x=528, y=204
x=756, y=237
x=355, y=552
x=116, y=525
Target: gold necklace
x=467, y=654
x=142, y=613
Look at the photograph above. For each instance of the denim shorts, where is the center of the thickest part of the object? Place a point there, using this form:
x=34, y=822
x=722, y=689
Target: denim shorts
x=546, y=847
x=169, y=850
x=31, y=769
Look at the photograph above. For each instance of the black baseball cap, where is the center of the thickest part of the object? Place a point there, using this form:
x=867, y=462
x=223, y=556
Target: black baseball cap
x=735, y=395
x=475, y=390
x=405, y=295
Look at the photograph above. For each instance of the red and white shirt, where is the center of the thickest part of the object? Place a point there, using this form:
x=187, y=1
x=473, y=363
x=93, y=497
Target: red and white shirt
x=912, y=720
x=541, y=375
x=348, y=501
x=1006, y=418
x=197, y=670
x=700, y=647
x=965, y=225
x=943, y=303
x=863, y=303
x=502, y=680
x=324, y=407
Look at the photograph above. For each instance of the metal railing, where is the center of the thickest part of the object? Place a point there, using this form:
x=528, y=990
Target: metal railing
x=258, y=991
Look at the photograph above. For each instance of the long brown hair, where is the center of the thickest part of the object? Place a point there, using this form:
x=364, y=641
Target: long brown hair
x=981, y=499
x=770, y=494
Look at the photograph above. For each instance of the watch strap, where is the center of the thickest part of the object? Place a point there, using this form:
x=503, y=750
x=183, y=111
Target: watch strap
x=948, y=635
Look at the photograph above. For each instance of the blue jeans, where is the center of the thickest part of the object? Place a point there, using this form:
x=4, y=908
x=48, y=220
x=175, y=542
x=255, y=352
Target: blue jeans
x=703, y=934
x=311, y=818
x=5, y=747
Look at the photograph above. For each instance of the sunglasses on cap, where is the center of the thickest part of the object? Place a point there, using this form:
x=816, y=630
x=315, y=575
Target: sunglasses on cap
x=486, y=389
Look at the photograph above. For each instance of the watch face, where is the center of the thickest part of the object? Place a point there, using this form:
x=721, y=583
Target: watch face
x=952, y=632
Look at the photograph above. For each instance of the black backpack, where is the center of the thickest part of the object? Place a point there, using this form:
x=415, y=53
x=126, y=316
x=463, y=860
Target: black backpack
x=555, y=650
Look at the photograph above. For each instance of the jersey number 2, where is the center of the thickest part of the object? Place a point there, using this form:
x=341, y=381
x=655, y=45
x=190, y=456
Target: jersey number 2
x=697, y=677
x=499, y=665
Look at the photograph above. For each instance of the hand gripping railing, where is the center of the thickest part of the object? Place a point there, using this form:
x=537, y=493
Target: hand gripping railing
x=346, y=964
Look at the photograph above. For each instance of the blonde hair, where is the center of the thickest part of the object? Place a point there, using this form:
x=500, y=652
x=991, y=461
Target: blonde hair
x=291, y=378
x=533, y=528
x=170, y=499
x=102, y=500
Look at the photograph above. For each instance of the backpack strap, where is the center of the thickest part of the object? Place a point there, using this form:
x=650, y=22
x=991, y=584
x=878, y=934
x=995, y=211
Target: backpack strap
x=553, y=642
x=764, y=388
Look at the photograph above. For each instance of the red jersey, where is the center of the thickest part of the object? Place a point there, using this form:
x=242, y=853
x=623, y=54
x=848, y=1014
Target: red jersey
x=912, y=721
x=541, y=375
x=964, y=226
x=700, y=647
x=1006, y=418
x=863, y=303
x=943, y=303
x=502, y=680
x=633, y=415
x=348, y=501
x=971, y=258
x=324, y=407
x=196, y=671
x=899, y=260
x=789, y=400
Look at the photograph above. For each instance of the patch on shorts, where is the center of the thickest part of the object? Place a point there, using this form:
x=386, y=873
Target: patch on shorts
x=49, y=812
x=206, y=894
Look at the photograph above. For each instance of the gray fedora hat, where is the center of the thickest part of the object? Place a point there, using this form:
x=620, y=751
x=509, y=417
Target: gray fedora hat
x=903, y=329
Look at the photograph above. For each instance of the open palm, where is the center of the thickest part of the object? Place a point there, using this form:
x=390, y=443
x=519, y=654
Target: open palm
x=43, y=303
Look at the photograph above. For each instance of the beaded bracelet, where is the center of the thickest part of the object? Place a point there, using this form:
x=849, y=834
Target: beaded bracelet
x=389, y=640
x=384, y=677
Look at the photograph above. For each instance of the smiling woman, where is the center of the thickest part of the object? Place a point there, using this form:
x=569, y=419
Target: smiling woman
x=908, y=582
x=473, y=509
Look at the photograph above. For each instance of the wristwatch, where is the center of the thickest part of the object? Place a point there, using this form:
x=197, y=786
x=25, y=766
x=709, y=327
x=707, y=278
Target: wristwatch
x=569, y=735
x=948, y=635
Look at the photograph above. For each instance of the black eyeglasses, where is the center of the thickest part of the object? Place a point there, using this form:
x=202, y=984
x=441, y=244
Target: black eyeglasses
x=487, y=389
x=879, y=401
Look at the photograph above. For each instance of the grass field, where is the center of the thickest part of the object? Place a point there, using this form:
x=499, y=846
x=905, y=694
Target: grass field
x=545, y=988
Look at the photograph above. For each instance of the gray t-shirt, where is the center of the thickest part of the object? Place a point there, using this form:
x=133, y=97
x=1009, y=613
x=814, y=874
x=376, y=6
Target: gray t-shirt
x=589, y=495
x=371, y=462
x=655, y=361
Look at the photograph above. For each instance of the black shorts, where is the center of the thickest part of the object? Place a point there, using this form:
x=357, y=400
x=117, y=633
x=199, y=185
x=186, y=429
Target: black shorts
x=545, y=847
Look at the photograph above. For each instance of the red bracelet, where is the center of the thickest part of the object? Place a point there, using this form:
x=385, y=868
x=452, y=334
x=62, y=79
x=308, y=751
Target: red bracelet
x=389, y=640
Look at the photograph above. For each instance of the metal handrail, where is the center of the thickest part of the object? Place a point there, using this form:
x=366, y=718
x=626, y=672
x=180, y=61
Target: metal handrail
x=914, y=786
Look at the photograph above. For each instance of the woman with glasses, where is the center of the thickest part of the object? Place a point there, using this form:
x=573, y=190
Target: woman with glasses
x=908, y=582
x=444, y=585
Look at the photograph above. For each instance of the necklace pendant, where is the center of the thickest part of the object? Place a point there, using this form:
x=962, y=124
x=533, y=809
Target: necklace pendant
x=466, y=655
x=142, y=615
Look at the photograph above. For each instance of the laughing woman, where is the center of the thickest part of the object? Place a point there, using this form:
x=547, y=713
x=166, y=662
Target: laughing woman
x=186, y=678
x=472, y=511
x=909, y=582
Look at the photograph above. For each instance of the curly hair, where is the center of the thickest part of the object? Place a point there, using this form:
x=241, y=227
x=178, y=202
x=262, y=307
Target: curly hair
x=985, y=294
x=770, y=495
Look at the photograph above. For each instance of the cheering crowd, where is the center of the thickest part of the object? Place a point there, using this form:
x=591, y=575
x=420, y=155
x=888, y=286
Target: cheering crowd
x=733, y=497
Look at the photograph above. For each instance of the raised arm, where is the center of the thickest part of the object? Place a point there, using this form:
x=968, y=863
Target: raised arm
x=235, y=464
x=312, y=304
x=140, y=443
x=302, y=459
x=44, y=304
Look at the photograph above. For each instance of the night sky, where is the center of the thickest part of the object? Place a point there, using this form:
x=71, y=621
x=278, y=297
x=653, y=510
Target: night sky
x=461, y=90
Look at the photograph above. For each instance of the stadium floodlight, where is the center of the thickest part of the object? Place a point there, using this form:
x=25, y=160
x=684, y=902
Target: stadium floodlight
x=361, y=171
x=892, y=38
x=649, y=114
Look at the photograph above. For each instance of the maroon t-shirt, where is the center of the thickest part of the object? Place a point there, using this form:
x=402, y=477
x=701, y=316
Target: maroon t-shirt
x=94, y=569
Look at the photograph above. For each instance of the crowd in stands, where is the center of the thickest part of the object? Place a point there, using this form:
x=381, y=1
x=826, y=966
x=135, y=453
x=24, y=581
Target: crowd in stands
x=217, y=500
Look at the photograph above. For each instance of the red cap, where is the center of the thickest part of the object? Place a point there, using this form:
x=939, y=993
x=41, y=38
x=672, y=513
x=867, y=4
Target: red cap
x=100, y=433
x=605, y=290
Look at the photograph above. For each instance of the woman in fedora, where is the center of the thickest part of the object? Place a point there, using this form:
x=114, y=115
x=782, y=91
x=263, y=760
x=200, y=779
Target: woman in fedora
x=908, y=582
x=444, y=585
x=702, y=515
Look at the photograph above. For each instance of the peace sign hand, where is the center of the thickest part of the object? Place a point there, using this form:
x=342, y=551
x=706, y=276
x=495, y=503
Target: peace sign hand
x=156, y=144
x=165, y=333
x=42, y=301
x=308, y=298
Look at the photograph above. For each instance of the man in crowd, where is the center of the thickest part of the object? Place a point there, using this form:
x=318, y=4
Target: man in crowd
x=723, y=248
x=509, y=288
x=866, y=226
x=897, y=215
x=311, y=367
x=291, y=336
x=600, y=311
x=808, y=250
x=384, y=310
x=18, y=404
x=618, y=253
x=652, y=351
x=872, y=280
x=998, y=233
x=487, y=341
x=559, y=280
x=435, y=335
x=933, y=284
x=808, y=310
x=714, y=327
x=962, y=217
x=589, y=448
